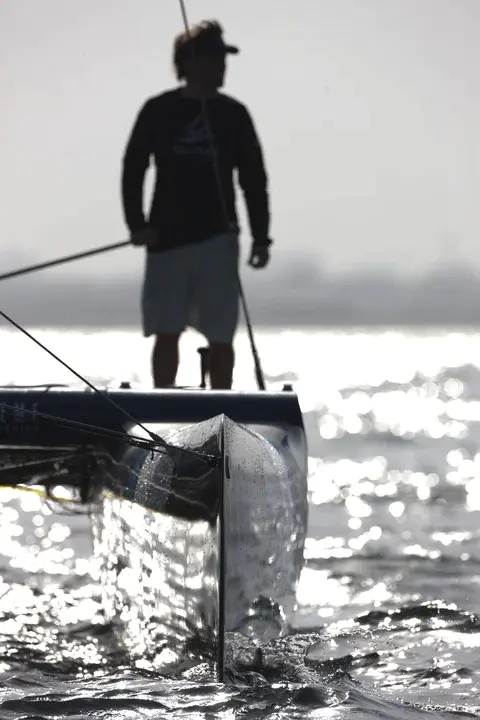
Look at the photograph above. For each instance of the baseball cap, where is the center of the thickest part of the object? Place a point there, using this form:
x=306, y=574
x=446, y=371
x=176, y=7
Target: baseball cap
x=214, y=44
x=205, y=38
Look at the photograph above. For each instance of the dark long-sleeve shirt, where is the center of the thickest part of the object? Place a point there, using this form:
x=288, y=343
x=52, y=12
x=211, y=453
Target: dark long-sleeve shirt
x=187, y=206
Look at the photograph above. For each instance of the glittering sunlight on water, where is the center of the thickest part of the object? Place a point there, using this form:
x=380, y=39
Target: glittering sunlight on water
x=389, y=599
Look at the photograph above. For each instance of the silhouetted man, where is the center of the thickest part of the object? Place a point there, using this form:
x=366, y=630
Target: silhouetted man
x=198, y=137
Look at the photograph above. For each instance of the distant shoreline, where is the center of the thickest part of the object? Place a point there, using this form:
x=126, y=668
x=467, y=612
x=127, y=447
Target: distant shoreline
x=304, y=299
x=266, y=327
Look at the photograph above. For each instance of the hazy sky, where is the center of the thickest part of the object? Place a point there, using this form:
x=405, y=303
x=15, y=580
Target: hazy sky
x=368, y=111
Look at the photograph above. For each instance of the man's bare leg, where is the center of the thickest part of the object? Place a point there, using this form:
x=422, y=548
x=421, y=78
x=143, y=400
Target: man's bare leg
x=221, y=361
x=165, y=360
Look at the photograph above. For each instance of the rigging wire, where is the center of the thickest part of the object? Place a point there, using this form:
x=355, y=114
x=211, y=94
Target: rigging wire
x=85, y=427
x=155, y=443
x=108, y=434
x=218, y=179
x=103, y=394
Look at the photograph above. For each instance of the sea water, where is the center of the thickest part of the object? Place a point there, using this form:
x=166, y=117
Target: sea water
x=389, y=598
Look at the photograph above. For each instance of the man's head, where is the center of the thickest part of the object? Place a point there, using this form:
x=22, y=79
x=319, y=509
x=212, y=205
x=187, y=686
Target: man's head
x=199, y=55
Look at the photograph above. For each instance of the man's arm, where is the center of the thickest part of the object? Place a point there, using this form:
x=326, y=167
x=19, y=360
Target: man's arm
x=136, y=160
x=253, y=180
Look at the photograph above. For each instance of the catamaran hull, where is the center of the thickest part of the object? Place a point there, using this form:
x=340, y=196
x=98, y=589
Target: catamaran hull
x=203, y=539
x=206, y=536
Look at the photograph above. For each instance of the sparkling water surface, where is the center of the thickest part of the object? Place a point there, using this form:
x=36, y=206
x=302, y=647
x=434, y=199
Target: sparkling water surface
x=389, y=599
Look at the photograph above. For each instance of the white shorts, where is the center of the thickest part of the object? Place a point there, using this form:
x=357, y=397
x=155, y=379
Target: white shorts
x=193, y=286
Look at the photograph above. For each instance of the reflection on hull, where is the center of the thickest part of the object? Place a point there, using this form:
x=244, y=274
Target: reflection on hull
x=190, y=545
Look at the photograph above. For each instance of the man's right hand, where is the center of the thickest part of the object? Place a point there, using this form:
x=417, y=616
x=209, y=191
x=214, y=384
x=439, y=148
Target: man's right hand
x=147, y=236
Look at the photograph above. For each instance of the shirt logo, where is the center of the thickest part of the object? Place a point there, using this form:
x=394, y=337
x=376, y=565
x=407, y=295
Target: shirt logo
x=194, y=139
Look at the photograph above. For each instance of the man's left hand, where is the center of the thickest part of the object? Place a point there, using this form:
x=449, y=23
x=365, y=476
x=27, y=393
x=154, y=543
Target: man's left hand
x=259, y=256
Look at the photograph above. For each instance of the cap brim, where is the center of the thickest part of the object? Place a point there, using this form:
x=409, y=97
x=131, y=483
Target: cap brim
x=231, y=49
